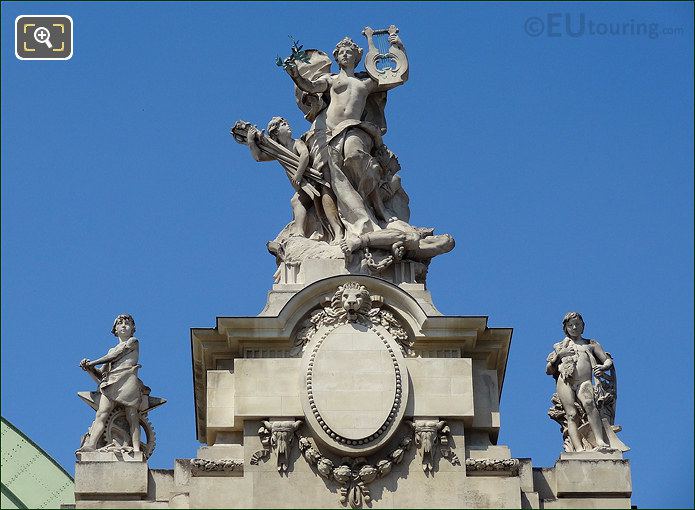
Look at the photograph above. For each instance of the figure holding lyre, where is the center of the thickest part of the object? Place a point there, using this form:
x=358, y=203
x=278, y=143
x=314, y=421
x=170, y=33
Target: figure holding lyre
x=346, y=135
x=346, y=179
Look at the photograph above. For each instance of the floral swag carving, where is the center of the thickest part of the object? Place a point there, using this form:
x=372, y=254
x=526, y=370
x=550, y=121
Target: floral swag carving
x=353, y=475
x=219, y=466
x=352, y=302
x=476, y=465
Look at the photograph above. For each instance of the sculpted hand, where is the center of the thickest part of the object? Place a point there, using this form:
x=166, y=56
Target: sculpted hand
x=599, y=369
x=252, y=135
x=395, y=40
x=84, y=364
x=291, y=69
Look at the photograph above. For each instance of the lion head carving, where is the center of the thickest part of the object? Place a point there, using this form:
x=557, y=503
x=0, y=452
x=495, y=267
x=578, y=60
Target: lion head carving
x=352, y=298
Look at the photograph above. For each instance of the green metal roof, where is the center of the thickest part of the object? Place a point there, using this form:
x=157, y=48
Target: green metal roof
x=30, y=477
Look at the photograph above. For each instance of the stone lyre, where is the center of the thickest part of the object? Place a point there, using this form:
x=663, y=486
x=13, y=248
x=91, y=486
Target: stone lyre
x=385, y=62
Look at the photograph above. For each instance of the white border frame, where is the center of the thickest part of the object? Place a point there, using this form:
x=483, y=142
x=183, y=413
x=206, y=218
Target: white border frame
x=72, y=35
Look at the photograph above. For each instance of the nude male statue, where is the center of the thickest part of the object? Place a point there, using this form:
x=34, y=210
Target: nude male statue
x=572, y=363
x=403, y=240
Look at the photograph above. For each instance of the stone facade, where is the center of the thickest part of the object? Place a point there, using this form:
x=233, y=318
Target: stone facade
x=350, y=388
x=380, y=423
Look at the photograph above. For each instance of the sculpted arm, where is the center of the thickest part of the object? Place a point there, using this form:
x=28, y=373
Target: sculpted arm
x=552, y=359
x=303, y=152
x=117, y=353
x=322, y=84
x=601, y=356
x=555, y=357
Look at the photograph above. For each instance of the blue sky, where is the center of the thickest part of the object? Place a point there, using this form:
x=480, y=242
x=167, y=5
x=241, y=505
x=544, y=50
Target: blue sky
x=562, y=165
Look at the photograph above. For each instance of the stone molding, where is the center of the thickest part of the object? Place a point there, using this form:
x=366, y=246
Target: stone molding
x=217, y=347
x=493, y=465
x=352, y=305
x=217, y=466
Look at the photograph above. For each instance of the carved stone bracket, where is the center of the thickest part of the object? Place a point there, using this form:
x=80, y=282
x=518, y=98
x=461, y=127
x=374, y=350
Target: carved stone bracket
x=429, y=434
x=352, y=302
x=217, y=466
x=478, y=465
x=353, y=475
x=276, y=436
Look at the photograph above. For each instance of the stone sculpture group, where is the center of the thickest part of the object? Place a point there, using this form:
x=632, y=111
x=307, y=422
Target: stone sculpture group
x=349, y=202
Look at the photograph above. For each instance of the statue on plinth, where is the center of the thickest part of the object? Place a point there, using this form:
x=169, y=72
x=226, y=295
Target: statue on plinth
x=122, y=400
x=586, y=383
x=349, y=202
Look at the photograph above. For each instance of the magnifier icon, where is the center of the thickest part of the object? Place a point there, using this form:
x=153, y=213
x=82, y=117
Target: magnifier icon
x=43, y=36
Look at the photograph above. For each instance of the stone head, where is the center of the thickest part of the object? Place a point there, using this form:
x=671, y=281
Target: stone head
x=573, y=321
x=278, y=126
x=347, y=53
x=121, y=319
x=352, y=298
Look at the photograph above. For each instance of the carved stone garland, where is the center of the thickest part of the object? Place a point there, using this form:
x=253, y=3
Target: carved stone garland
x=477, y=465
x=340, y=310
x=217, y=466
x=353, y=475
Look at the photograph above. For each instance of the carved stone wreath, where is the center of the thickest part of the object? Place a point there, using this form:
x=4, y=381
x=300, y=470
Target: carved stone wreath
x=351, y=302
x=394, y=407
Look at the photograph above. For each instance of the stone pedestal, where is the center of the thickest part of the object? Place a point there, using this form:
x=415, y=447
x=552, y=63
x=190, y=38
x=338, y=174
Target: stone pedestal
x=103, y=475
x=585, y=480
